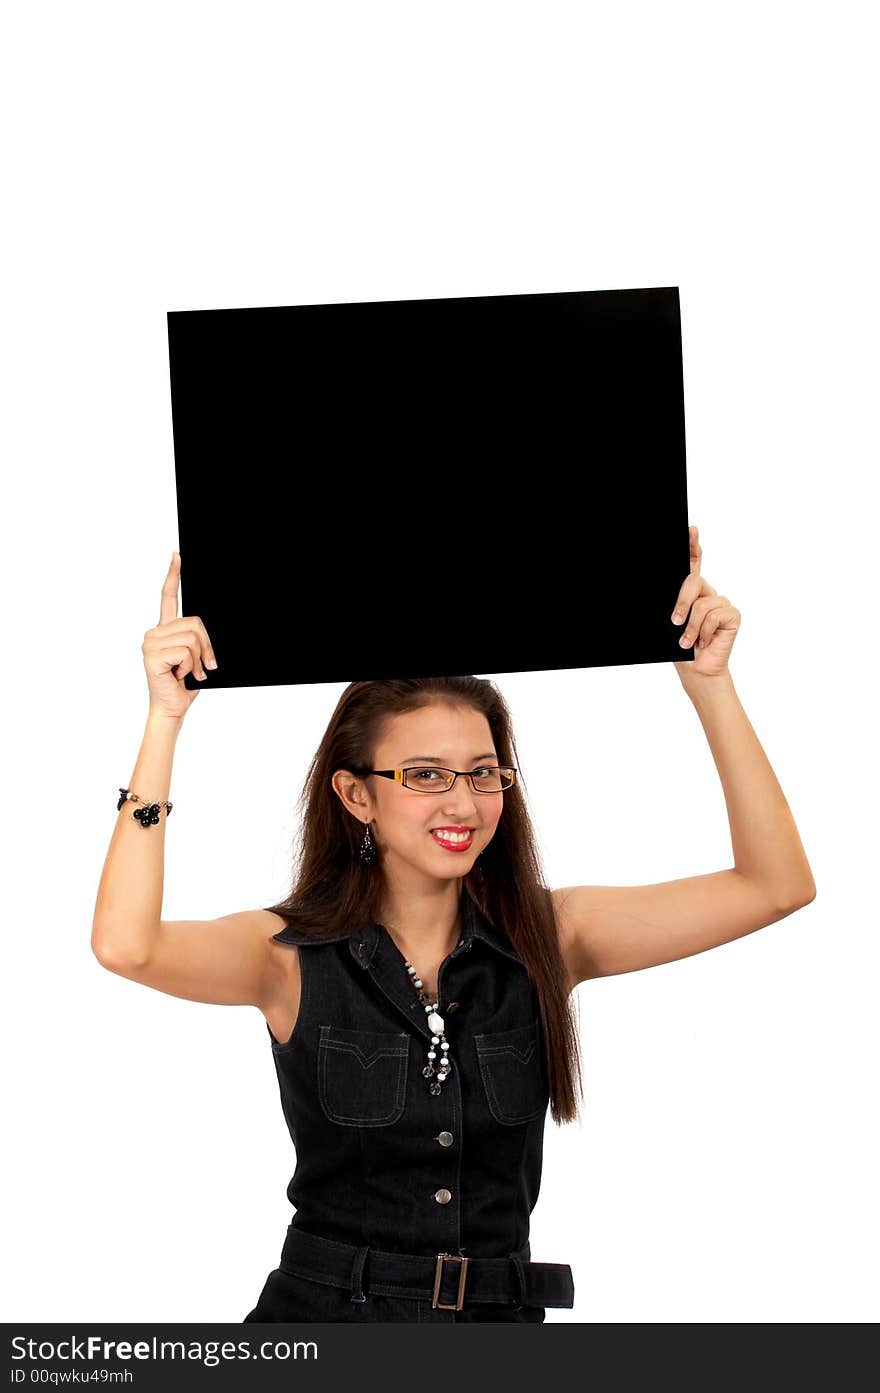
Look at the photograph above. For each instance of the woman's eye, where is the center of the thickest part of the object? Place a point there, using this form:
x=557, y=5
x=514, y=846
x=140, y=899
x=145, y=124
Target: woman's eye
x=422, y=774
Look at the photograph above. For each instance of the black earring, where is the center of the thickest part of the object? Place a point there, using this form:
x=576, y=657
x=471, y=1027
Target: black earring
x=368, y=847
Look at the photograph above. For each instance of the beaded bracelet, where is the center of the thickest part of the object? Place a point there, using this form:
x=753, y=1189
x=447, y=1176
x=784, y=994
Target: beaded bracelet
x=148, y=815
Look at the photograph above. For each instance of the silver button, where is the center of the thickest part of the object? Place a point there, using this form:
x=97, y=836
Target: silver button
x=443, y=1196
x=445, y=1139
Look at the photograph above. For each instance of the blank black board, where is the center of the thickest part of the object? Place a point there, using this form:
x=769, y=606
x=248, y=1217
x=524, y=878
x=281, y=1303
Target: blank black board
x=404, y=488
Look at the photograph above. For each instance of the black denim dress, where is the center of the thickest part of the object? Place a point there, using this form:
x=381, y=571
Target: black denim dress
x=388, y=1175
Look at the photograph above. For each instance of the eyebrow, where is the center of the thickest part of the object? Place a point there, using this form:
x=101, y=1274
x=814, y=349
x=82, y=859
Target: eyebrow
x=435, y=759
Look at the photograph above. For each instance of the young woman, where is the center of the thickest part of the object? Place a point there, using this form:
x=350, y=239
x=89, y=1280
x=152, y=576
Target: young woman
x=416, y=983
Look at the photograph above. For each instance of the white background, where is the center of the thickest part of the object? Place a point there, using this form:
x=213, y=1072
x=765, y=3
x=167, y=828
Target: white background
x=214, y=155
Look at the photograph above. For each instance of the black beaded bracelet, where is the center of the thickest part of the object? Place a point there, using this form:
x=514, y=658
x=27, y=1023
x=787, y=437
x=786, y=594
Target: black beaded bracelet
x=148, y=815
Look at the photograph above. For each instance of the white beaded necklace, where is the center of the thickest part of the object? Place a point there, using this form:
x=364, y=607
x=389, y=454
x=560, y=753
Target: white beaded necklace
x=436, y=1024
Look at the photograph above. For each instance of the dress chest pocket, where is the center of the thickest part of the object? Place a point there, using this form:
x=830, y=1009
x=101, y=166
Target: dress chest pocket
x=512, y=1073
x=362, y=1075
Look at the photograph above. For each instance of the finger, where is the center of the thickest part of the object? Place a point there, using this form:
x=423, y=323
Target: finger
x=209, y=658
x=169, y=648
x=199, y=634
x=194, y=644
x=189, y=662
x=693, y=587
x=709, y=626
x=696, y=549
x=178, y=657
x=195, y=633
x=728, y=619
x=707, y=629
x=721, y=616
x=170, y=588
x=704, y=606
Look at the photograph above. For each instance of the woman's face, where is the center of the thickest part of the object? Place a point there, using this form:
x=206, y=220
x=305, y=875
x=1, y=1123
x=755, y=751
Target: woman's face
x=456, y=737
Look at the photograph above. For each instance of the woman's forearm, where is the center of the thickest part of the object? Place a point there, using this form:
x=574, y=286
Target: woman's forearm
x=129, y=904
x=766, y=845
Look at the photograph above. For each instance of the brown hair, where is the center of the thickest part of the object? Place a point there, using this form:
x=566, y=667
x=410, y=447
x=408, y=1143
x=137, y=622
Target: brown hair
x=334, y=888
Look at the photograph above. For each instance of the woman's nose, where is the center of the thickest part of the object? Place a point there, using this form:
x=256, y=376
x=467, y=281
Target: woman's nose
x=461, y=795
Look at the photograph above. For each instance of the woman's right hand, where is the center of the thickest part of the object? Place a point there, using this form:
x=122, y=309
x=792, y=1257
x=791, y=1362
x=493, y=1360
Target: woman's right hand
x=174, y=648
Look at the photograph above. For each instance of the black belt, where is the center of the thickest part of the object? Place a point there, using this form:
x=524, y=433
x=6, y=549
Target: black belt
x=451, y=1280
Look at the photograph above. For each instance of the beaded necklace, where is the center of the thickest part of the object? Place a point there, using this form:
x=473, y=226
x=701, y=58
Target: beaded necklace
x=436, y=1024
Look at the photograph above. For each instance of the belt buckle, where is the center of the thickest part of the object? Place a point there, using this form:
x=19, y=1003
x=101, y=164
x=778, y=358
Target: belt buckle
x=438, y=1273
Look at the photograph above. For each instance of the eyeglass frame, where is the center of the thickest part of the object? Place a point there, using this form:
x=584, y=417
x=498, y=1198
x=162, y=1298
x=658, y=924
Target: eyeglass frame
x=399, y=776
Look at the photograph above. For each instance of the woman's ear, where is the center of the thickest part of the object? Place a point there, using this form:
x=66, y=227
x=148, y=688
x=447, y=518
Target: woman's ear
x=353, y=793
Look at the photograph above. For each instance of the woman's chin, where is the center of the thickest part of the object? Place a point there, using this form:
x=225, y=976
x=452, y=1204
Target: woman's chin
x=450, y=866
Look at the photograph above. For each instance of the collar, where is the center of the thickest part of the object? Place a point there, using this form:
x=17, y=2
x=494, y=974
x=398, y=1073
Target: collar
x=364, y=938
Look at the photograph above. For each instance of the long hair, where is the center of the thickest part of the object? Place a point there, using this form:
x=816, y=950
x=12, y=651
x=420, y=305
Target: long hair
x=334, y=889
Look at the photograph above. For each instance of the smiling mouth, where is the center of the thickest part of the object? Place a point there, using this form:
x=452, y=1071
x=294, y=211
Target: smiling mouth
x=453, y=840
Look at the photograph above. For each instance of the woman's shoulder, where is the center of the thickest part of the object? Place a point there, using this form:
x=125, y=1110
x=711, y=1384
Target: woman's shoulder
x=287, y=932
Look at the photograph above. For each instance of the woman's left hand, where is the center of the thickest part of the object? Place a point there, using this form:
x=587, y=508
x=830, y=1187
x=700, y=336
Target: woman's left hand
x=712, y=624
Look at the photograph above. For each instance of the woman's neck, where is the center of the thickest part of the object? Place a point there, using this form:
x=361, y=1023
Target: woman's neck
x=425, y=930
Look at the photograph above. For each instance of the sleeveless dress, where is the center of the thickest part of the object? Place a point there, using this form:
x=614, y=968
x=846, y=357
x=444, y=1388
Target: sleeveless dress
x=381, y=1162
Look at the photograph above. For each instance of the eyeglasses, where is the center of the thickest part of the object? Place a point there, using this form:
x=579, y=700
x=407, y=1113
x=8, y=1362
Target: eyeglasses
x=486, y=779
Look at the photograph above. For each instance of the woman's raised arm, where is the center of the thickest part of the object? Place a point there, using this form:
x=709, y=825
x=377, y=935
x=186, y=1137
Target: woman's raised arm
x=609, y=929
x=231, y=960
